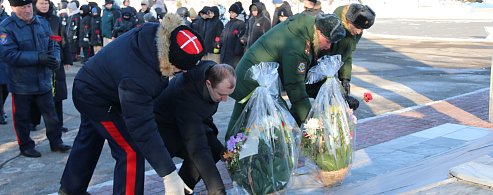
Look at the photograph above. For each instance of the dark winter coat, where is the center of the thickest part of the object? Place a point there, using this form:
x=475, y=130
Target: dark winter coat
x=124, y=24
x=21, y=44
x=184, y=116
x=96, y=38
x=231, y=47
x=140, y=17
x=257, y=26
x=64, y=17
x=213, y=29
x=199, y=26
x=85, y=26
x=286, y=8
x=73, y=27
x=108, y=20
x=59, y=78
x=3, y=64
x=125, y=76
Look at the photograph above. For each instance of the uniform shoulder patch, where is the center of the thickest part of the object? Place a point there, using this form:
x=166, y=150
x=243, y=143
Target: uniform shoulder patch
x=3, y=38
x=301, y=67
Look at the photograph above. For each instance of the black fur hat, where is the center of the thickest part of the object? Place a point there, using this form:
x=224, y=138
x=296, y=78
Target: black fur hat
x=330, y=26
x=361, y=16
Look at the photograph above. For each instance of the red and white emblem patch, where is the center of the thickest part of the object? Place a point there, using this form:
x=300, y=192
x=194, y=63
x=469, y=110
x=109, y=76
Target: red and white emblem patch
x=188, y=42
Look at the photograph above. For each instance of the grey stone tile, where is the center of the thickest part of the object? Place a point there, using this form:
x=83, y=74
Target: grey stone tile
x=403, y=142
x=425, y=149
x=357, y=175
x=378, y=150
x=445, y=142
x=390, y=162
x=438, y=131
x=468, y=134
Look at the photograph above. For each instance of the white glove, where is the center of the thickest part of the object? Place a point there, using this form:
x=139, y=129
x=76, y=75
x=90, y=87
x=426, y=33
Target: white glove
x=173, y=184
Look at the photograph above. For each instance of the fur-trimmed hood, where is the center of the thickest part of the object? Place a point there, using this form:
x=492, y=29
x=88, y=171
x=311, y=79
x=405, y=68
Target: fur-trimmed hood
x=163, y=34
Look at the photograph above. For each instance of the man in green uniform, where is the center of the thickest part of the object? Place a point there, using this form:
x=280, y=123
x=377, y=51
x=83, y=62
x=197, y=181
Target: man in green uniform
x=293, y=44
x=355, y=18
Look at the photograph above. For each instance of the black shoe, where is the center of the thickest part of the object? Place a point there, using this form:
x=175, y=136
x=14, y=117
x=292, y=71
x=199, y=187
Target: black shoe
x=3, y=121
x=31, y=153
x=64, y=129
x=61, y=191
x=60, y=147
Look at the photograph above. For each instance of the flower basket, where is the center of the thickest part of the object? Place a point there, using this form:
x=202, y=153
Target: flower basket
x=262, y=149
x=328, y=132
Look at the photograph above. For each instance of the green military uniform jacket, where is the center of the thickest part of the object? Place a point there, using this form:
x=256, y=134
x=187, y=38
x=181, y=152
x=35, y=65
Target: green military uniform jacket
x=346, y=46
x=290, y=44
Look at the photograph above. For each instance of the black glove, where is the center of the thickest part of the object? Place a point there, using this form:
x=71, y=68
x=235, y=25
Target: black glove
x=352, y=102
x=47, y=60
x=346, y=86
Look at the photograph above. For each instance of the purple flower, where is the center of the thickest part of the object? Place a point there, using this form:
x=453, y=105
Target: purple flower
x=231, y=143
x=239, y=137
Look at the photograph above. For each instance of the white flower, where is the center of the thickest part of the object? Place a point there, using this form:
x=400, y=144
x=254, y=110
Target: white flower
x=311, y=126
x=312, y=123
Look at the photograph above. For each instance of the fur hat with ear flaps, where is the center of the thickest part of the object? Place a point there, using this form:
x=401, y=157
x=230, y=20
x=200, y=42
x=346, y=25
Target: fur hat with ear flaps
x=178, y=45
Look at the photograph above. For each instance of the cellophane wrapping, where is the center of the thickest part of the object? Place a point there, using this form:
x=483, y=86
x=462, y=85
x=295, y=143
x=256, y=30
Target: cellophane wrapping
x=263, y=149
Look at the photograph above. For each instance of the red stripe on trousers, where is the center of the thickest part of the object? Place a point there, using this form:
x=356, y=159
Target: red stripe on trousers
x=131, y=156
x=13, y=120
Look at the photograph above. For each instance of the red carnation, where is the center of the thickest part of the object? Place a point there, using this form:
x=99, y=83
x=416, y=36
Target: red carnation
x=96, y=31
x=367, y=97
x=235, y=32
x=56, y=38
x=217, y=39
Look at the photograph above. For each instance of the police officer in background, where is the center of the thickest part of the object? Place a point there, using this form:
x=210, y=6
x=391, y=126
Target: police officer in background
x=31, y=57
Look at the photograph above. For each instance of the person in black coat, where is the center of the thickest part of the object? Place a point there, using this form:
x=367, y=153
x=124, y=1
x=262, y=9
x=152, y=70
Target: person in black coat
x=213, y=30
x=115, y=93
x=184, y=116
x=124, y=24
x=85, y=32
x=44, y=9
x=199, y=23
x=281, y=13
x=143, y=11
x=96, y=38
x=231, y=47
x=72, y=29
x=258, y=24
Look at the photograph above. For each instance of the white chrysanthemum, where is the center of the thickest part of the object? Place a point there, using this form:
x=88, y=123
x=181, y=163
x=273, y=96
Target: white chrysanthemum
x=311, y=126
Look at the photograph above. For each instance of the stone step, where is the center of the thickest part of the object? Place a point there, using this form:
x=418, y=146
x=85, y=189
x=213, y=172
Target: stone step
x=413, y=161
